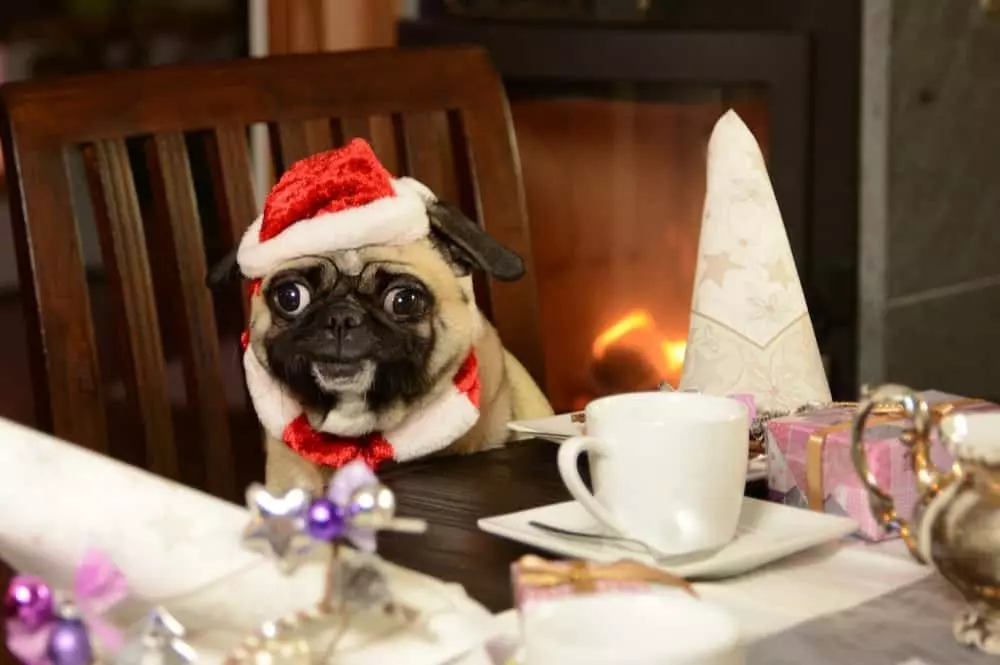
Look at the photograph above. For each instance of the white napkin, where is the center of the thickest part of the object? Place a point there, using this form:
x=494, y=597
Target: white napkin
x=750, y=330
x=169, y=540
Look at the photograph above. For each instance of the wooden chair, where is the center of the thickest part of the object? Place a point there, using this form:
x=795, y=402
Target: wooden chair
x=136, y=140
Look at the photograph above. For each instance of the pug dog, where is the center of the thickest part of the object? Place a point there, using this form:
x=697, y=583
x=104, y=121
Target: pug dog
x=364, y=339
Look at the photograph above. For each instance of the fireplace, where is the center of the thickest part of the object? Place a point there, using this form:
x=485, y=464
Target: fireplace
x=612, y=120
x=615, y=180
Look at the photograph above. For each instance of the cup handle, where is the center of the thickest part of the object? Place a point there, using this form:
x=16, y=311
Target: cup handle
x=569, y=451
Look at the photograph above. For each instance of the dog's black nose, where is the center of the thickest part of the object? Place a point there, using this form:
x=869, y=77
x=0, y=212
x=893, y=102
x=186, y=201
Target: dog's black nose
x=343, y=318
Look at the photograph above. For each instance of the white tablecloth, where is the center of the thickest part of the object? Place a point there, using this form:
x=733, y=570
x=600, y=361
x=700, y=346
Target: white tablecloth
x=777, y=597
x=53, y=483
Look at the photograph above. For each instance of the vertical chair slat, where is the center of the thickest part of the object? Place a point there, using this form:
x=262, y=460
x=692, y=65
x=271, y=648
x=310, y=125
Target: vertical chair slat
x=384, y=143
x=68, y=388
x=124, y=248
x=174, y=193
x=319, y=135
x=232, y=173
x=355, y=127
x=301, y=139
x=503, y=211
x=429, y=152
x=235, y=173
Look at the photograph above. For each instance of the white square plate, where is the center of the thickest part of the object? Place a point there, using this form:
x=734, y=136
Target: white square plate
x=767, y=532
x=560, y=427
x=556, y=427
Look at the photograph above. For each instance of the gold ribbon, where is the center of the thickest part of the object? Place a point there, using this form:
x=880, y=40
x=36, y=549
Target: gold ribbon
x=880, y=415
x=583, y=576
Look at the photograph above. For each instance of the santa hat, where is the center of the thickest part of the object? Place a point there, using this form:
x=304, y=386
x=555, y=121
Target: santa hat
x=339, y=199
x=344, y=199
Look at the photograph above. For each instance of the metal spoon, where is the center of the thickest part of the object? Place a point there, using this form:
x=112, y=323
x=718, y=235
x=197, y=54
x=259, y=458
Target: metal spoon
x=659, y=557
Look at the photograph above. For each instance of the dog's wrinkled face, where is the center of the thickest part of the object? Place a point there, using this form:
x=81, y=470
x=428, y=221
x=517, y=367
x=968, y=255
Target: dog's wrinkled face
x=359, y=336
x=364, y=333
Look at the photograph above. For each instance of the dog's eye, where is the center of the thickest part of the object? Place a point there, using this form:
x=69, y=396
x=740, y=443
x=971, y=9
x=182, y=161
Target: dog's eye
x=404, y=302
x=291, y=297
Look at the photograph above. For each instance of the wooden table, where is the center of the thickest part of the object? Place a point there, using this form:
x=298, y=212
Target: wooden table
x=453, y=493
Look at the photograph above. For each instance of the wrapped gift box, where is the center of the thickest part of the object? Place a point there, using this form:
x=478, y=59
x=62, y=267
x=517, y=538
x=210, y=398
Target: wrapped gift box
x=534, y=578
x=809, y=460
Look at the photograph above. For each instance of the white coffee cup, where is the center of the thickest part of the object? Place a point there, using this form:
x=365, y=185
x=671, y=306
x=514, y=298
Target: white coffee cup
x=657, y=628
x=667, y=468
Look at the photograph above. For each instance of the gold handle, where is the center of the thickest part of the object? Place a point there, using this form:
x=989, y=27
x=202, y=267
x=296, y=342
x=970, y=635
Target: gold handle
x=916, y=437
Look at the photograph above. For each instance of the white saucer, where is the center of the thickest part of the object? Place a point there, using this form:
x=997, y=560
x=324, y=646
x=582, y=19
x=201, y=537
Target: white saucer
x=560, y=427
x=554, y=427
x=767, y=532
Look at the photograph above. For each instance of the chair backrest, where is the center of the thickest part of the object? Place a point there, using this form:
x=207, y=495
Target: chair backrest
x=134, y=139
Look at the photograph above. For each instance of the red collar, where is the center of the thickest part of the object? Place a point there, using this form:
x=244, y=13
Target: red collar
x=331, y=450
x=325, y=449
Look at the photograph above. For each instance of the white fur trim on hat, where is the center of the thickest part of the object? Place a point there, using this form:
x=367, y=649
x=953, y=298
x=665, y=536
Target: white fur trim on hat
x=413, y=186
x=396, y=220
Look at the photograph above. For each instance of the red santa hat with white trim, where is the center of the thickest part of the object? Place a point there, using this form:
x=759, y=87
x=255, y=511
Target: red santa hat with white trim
x=336, y=200
x=339, y=199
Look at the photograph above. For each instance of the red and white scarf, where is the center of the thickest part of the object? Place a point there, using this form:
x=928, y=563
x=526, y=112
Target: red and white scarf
x=424, y=432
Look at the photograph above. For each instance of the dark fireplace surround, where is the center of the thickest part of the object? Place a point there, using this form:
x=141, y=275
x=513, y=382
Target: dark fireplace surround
x=806, y=54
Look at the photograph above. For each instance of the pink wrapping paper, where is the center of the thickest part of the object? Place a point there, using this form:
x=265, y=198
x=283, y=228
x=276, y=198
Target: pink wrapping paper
x=888, y=459
x=525, y=593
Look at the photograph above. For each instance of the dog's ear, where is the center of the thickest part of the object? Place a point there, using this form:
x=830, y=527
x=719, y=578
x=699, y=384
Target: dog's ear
x=225, y=271
x=469, y=246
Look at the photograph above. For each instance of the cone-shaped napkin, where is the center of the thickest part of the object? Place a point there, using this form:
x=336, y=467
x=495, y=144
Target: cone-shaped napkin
x=750, y=329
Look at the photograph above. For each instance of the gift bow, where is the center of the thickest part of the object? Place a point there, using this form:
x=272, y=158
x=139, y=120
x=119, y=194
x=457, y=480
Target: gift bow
x=97, y=587
x=583, y=576
x=345, y=482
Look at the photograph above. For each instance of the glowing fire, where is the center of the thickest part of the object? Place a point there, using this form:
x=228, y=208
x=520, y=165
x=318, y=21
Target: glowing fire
x=637, y=329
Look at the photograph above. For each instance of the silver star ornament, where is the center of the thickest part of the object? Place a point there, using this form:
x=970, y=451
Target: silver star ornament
x=278, y=525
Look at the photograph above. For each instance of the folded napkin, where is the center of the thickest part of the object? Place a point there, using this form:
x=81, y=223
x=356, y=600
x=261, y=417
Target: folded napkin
x=750, y=328
x=182, y=549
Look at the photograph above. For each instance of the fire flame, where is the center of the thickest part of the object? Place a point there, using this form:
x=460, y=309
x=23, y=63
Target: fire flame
x=665, y=354
x=631, y=321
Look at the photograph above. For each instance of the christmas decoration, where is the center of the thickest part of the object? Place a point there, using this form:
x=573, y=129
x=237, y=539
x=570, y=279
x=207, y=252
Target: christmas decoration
x=750, y=330
x=276, y=524
x=810, y=465
x=44, y=631
x=195, y=591
x=356, y=506
x=157, y=639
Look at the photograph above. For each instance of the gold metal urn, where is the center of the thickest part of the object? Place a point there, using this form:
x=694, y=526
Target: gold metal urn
x=955, y=524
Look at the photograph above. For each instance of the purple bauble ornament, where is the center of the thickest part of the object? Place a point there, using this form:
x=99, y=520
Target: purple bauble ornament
x=29, y=601
x=324, y=520
x=69, y=644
